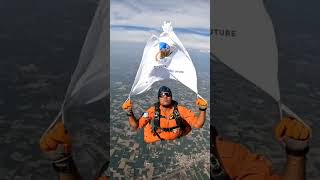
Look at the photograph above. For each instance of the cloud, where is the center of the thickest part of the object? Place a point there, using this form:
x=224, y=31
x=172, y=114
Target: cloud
x=189, y=40
x=199, y=31
x=137, y=20
x=182, y=13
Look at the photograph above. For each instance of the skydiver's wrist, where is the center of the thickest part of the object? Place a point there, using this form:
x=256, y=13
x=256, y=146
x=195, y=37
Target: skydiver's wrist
x=297, y=153
x=294, y=161
x=65, y=165
x=296, y=147
x=130, y=112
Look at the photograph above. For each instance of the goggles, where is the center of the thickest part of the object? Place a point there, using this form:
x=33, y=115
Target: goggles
x=167, y=94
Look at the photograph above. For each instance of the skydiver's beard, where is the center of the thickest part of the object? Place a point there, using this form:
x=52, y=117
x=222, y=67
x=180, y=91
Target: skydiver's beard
x=168, y=106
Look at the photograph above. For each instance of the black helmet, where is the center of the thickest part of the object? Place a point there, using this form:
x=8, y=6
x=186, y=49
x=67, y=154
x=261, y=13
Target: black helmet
x=164, y=89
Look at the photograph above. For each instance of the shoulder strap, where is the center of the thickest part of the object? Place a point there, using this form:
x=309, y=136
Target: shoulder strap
x=176, y=115
x=156, y=120
x=174, y=103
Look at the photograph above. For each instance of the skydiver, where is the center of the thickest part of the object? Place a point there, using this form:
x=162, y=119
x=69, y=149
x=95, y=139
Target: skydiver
x=166, y=120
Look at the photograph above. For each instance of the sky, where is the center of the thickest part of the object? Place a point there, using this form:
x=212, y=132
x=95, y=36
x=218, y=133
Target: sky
x=137, y=20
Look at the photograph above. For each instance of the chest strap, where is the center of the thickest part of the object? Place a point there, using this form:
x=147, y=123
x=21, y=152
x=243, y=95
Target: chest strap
x=158, y=116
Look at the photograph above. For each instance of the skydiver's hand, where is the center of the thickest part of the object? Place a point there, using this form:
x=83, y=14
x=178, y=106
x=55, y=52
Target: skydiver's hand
x=294, y=134
x=202, y=104
x=56, y=143
x=127, y=106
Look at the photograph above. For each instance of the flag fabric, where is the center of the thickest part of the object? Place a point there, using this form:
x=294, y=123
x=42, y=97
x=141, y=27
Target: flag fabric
x=89, y=80
x=176, y=64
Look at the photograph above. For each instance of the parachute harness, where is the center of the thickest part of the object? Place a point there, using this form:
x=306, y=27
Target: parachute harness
x=158, y=116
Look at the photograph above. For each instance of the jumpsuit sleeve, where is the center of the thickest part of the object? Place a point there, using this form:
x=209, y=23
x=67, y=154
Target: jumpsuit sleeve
x=146, y=117
x=241, y=164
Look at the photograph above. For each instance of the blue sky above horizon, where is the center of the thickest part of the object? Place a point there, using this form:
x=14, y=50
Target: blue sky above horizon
x=137, y=20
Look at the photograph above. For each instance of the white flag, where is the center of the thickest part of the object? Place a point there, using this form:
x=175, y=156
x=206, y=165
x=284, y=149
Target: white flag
x=89, y=80
x=176, y=65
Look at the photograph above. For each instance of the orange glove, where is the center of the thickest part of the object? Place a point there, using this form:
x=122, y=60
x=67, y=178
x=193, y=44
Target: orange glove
x=56, y=143
x=293, y=133
x=202, y=103
x=292, y=128
x=127, y=106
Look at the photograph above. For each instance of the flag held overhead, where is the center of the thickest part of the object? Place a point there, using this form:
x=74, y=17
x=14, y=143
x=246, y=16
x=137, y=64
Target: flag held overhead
x=164, y=57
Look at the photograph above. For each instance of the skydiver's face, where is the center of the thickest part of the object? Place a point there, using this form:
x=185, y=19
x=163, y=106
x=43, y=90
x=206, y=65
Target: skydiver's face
x=165, y=100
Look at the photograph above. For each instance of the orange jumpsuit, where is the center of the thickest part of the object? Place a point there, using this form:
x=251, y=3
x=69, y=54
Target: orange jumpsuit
x=241, y=164
x=189, y=118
